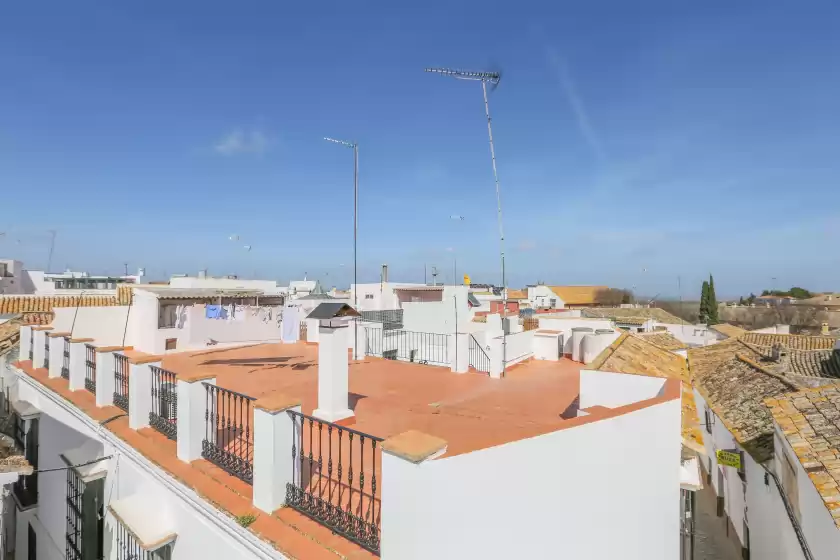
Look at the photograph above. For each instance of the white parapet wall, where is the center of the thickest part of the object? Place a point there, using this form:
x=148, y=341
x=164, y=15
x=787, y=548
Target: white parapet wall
x=544, y=497
x=603, y=388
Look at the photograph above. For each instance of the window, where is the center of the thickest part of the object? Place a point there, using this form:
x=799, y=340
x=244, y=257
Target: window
x=167, y=316
x=31, y=546
x=708, y=414
x=368, y=296
x=552, y=302
x=26, y=438
x=789, y=484
x=171, y=343
x=85, y=518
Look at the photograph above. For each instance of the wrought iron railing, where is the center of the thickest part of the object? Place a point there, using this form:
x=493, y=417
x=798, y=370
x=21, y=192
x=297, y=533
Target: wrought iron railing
x=228, y=440
x=90, y=368
x=46, y=351
x=479, y=360
x=75, y=495
x=390, y=318
x=129, y=548
x=411, y=346
x=164, y=414
x=335, y=473
x=121, y=381
x=31, y=344
x=65, y=359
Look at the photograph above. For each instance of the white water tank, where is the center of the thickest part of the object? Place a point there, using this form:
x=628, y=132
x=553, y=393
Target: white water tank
x=577, y=341
x=594, y=344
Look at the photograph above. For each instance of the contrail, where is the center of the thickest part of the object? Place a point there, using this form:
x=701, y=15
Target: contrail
x=576, y=103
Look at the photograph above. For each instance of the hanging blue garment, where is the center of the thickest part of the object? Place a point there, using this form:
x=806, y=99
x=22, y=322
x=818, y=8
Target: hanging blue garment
x=213, y=311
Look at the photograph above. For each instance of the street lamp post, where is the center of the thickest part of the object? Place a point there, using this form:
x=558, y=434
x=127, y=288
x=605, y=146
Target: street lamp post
x=493, y=78
x=355, y=148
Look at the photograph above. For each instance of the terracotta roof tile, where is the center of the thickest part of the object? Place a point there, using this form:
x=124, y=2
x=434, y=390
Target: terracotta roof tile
x=728, y=330
x=810, y=421
x=580, y=295
x=664, y=340
x=659, y=315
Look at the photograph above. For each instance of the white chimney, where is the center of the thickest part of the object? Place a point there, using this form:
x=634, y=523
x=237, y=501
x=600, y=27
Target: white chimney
x=333, y=370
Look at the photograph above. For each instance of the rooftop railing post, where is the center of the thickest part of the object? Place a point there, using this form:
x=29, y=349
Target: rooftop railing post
x=78, y=355
x=497, y=358
x=26, y=345
x=274, y=435
x=459, y=352
x=39, y=354
x=140, y=391
x=105, y=375
x=403, y=456
x=192, y=414
x=56, y=342
x=359, y=343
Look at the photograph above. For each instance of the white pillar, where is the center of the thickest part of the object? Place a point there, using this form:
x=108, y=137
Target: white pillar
x=311, y=330
x=140, y=392
x=359, y=351
x=56, y=352
x=39, y=352
x=105, y=383
x=274, y=435
x=77, y=362
x=497, y=359
x=459, y=352
x=192, y=406
x=402, y=462
x=25, y=342
x=333, y=371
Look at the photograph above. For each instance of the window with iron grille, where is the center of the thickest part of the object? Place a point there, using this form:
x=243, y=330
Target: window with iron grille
x=46, y=352
x=26, y=439
x=121, y=381
x=65, y=359
x=164, y=414
x=167, y=315
x=90, y=368
x=129, y=548
x=85, y=520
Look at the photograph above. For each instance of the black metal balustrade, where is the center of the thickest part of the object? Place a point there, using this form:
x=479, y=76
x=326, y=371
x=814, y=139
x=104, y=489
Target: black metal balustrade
x=228, y=440
x=65, y=364
x=164, y=414
x=121, y=381
x=85, y=518
x=46, y=351
x=90, y=368
x=479, y=360
x=390, y=318
x=31, y=344
x=128, y=548
x=335, y=473
x=411, y=346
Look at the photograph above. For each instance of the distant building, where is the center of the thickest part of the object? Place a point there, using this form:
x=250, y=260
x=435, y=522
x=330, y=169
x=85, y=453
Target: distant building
x=568, y=297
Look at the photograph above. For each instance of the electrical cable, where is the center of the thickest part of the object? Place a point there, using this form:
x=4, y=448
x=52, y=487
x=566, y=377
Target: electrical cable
x=73, y=466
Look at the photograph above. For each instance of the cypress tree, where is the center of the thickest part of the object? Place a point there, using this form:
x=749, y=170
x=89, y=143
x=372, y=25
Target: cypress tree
x=711, y=302
x=704, y=302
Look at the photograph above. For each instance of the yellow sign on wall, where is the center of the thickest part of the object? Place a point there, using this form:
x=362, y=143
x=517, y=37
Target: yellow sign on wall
x=466, y=280
x=728, y=458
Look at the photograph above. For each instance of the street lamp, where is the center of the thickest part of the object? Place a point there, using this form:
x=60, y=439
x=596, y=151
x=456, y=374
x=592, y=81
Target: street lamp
x=493, y=78
x=355, y=148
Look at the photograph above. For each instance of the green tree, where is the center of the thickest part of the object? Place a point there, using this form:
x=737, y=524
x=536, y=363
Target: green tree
x=800, y=293
x=741, y=300
x=704, y=302
x=711, y=302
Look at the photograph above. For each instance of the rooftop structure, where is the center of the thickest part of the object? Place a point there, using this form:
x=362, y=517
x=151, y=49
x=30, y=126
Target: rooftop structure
x=728, y=330
x=659, y=315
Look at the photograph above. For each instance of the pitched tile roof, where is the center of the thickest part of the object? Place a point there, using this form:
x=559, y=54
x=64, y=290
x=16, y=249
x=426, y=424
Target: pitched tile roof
x=9, y=334
x=734, y=385
x=664, y=340
x=791, y=341
x=517, y=294
x=580, y=295
x=728, y=330
x=45, y=304
x=655, y=313
x=810, y=421
x=638, y=355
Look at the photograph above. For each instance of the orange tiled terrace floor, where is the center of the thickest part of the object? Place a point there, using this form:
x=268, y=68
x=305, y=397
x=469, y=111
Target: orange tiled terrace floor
x=470, y=411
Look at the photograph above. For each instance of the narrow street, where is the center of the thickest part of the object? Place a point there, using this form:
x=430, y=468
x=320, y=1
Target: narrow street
x=710, y=541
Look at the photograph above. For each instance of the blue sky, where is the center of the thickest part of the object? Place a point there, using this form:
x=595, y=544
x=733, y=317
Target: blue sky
x=637, y=142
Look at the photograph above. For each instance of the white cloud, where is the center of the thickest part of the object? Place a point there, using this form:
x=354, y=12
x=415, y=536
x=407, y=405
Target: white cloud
x=242, y=141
